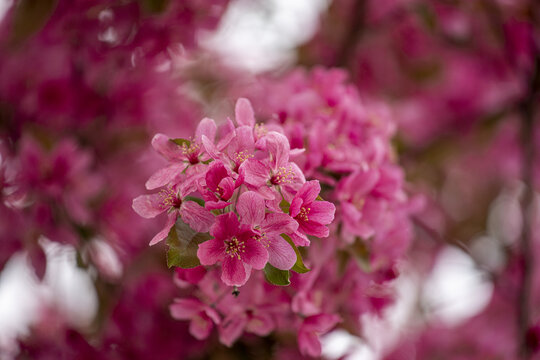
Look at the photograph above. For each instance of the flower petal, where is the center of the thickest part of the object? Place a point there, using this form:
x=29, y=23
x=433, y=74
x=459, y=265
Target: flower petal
x=260, y=324
x=314, y=228
x=243, y=141
x=225, y=226
x=171, y=219
x=148, y=206
x=214, y=174
x=213, y=205
x=206, y=127
x=233, y=272
x=199, y=218
x=320, y=323
x=232, y=328
x=278, y=147
x=255, y=254
x=244, y=112
x=299, y=239
x=200, y=326
x=251, y=208
x=279, y=223
x=309, y=344
x=211, y=251
x=280, y=253
x=255, y=173
x=164, y=176
x=212, y=314
x=296, y=205
x=227, y=185
x=321, y=212
x=185, y=309
x=309, y=191
x=227, y=133
x=210, y=148
x=166, y=148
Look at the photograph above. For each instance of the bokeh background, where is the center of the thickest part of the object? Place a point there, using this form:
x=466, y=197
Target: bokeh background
x=84, y=85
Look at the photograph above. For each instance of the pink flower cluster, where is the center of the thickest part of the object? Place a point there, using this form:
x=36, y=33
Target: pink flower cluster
x=237, y=182
x=240, y=183
x=349, y=151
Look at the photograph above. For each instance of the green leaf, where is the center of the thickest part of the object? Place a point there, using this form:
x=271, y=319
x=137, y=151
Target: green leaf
x=342, y=257
x=276, y=276
x=155, y=6
x=195, y=199
x=298, y=266
x=183, y=243
x=319, y=198
x=29, y=17
x=285, y=206
x=427, y=15
x=181, y=142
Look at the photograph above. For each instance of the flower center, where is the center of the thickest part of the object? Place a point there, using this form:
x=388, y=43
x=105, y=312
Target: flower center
x=191, y=152
x=359, y=202
x=303, y=214
x=263, y=239
x=240, y=157
x=260, y=130
x=219, y=192
x=169, y=199
x=282, y=176
x=234, y=247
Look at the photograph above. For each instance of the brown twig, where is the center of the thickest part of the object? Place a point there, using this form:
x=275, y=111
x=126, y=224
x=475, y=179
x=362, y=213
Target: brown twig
x=526, y=254
x=356, y=25
x=434, y=235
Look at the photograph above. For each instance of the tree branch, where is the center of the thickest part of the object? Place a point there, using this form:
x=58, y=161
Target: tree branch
x=356, y=25
x=527, y=111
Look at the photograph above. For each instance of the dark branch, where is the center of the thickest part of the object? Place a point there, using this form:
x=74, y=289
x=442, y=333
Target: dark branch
x=527, y=257
x=356, y=25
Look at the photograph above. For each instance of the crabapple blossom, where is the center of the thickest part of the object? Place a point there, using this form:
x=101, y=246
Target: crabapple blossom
x=399, y=129
x=235, y=176
x=264, y=215
x=170, y=200
x=202, y=316
x=268, y=228
x=236, y=246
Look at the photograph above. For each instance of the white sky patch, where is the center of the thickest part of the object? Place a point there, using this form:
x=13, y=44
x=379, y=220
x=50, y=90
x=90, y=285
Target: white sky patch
x=339, y=343
x=68, y=287
x=4, y=7
x=456, y=289
x=19, y=300
x=65, y=287
x=380, y=334
x=261, y=35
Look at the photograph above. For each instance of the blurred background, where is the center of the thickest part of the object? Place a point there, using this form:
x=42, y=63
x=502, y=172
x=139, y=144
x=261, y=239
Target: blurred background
x=84, y=85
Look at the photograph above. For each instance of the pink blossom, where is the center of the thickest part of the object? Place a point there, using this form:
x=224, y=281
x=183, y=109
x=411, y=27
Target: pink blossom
x=259, y=322
x=149, y=206
x=187, y=277
x=244, y=113
x=180, y=156
x=268, y=228
x=311, y=328
x=219, y=187
x=202, y=316
x=236, y=246
x=312, y=216
x=275, y=171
